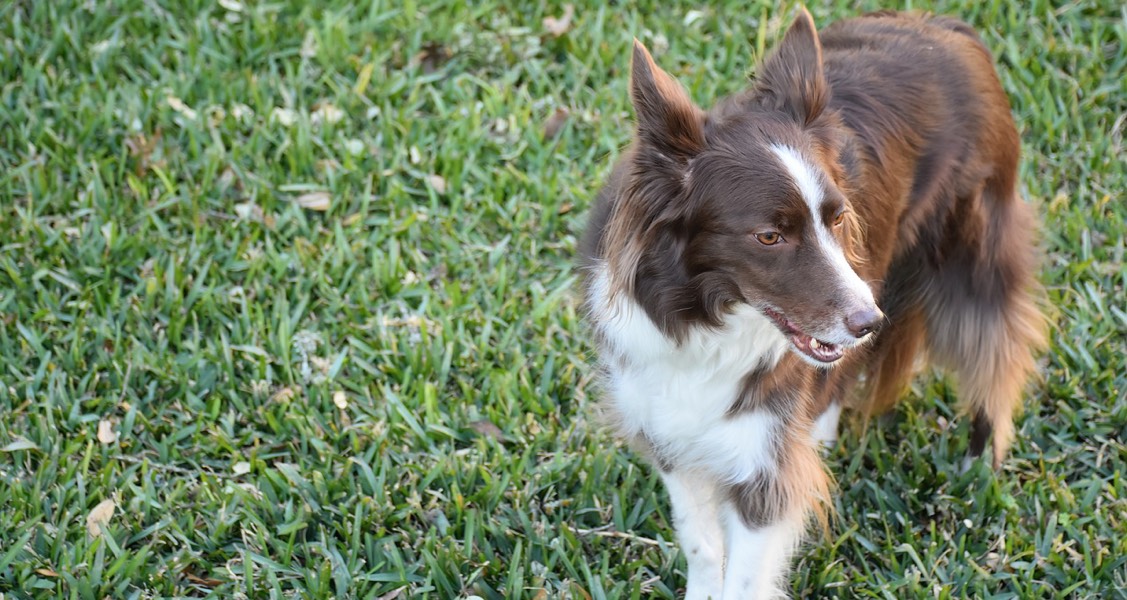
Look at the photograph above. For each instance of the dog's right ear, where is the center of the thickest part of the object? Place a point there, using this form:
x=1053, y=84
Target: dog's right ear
x=667, y=119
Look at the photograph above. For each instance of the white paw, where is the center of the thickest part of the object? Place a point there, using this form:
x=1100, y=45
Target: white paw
x=825, y=427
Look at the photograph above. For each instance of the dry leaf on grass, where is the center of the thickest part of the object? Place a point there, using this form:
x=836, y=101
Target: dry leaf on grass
x=558, y=26
x=325, y=112
x=208, y=582
x=487, y=428
x=106, y=434
x=319, y=201
x=19, y=443
x=241, y=468
x=242, y=112
x=248, y=211
x=47, y=572
x=284, y=395
x=437, y=182
x=692, y=17
x=141, y=149
x=393, y=594
x=354, y=147
x=432, y=56
x=284, y=116
x=340, y=399
x=554, y=124
x=178, y=105
x=100, y=517
x=309, y=45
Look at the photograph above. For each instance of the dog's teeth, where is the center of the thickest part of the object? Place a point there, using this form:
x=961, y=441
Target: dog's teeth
x=815, y=344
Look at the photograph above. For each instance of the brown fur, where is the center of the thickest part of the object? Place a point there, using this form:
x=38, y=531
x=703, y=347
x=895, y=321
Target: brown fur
x=906, y=116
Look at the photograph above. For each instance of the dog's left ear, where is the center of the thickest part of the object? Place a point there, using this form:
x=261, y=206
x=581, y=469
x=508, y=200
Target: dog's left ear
x=792, y=76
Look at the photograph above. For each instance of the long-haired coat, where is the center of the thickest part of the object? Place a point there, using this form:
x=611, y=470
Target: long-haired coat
x=853, y=210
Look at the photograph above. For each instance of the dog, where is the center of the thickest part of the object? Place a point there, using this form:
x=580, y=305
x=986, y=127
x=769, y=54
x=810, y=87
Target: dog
x=745, y=267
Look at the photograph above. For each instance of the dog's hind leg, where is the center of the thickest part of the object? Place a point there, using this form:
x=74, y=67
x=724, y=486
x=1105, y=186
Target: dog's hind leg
x=982, y=313
x=697, y=521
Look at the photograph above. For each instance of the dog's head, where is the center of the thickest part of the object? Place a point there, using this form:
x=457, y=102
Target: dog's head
x=746, y=204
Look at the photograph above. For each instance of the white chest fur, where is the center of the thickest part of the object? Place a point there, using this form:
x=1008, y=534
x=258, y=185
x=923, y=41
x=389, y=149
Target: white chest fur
x=677, y=396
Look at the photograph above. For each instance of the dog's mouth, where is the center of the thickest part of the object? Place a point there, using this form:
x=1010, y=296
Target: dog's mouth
x=809, y=345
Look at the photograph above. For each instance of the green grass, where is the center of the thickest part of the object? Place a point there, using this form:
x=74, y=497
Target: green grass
x=393, y=396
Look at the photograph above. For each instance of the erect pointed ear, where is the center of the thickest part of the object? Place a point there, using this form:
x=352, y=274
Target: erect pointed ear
x=792, y=75
x=667, y=118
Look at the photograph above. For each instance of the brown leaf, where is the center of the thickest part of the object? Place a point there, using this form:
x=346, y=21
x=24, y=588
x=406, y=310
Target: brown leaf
x=106, y=434
x=487, y=428
x=393, y=594
x=178, y=105
x=249, y=211
x=431, y=57
x=141, y=149
x=559, y=26
x=47, y=573
x=99, y=517
x=438, y=183
x=555, y=123
x=319, y=201
x=208, y=582
x=575, y=588
x=283, y=395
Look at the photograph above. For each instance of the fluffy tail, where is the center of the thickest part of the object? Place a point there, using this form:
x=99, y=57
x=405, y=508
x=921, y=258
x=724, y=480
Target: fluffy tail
x=984, y=316
x=974, y=304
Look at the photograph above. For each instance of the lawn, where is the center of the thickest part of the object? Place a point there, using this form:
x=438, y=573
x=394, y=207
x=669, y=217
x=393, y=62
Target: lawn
x=287, y=309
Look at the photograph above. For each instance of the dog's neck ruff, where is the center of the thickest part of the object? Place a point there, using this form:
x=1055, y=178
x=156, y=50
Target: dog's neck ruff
x=678, y=397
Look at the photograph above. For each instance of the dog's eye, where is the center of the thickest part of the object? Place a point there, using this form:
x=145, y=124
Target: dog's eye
x=769, y=238
x=839, y=218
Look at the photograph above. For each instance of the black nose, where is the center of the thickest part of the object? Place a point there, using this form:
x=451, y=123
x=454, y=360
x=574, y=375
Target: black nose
x=862, y=322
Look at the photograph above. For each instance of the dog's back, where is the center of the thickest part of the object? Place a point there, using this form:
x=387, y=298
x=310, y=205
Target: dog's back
x=948, y=239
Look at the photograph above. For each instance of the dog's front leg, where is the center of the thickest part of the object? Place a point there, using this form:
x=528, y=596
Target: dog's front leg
x=696, y=517
x=758, y=555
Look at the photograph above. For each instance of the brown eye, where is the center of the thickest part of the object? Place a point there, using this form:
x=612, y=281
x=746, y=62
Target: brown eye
x=769, y=238
x=839, y=219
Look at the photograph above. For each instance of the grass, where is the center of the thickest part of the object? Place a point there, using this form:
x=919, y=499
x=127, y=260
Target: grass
x=391, y=398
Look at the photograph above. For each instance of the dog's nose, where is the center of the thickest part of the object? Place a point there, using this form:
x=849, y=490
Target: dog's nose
x=862, y=322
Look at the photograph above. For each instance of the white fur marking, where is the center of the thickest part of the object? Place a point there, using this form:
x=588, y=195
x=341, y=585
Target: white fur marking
x=678, y=396
x=824, y=431
x=696, y=516
x=758, y=559
x=810, y=185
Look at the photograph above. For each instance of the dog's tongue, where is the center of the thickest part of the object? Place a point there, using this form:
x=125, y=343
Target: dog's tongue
x=816, y=349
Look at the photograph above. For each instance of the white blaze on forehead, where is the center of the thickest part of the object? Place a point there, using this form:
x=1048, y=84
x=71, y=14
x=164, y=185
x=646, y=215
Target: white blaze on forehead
x=809, y=182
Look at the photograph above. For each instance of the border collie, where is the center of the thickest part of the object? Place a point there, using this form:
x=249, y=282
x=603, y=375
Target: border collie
x=745, y=266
